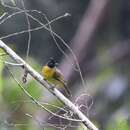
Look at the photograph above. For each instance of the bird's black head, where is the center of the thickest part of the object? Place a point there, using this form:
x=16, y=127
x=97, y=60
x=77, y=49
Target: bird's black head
x=51, y=63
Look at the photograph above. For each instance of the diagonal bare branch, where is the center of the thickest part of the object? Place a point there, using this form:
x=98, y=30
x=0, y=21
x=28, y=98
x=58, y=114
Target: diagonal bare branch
x=53, y=90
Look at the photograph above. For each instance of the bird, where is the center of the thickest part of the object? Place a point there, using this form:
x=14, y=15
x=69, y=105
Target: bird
x=53, y=75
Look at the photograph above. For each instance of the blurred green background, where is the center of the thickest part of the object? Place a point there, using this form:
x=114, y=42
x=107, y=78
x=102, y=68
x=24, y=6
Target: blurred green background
x=99, y=34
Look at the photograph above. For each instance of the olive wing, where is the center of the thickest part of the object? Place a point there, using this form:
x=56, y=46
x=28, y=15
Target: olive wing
x=58, y=76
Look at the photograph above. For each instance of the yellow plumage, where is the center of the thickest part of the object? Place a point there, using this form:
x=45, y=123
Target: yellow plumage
x=52, y=74
x=48, y=73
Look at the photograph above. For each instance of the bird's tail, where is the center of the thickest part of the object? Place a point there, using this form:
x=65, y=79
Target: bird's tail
x=67, y=90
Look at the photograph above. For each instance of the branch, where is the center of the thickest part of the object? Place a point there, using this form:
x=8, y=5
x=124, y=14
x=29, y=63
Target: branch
x=53, y=90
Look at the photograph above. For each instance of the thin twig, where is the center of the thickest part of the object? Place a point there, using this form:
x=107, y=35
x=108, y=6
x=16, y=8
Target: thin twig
x=10, y=63
x=45, y=123
x=15, y=13
x=29, y=27
x=3, y=54
x=1, y=17
x=43, y=103
x=33, y=29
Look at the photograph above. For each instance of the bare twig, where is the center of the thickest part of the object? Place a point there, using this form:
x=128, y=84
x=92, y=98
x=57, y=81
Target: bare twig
x=29, y=27
x=45, y=123
x=10, y=63
x=1, y=17
x=43, y=103
x=3, y=54
x=33, y=29
x=53, y=90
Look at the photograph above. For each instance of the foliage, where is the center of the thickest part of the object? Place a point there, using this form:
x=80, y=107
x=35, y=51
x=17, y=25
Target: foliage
x=119, y=125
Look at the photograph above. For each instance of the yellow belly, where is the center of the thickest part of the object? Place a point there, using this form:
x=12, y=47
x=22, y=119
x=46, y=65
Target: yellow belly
x=53, y=81
x=48, y=72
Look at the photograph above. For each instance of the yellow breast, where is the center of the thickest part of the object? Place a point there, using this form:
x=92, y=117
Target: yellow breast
x=47, y=72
